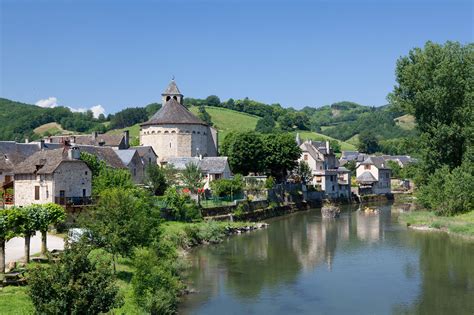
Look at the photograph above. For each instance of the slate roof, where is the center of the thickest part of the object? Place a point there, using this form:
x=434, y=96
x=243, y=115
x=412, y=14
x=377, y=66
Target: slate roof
x=307, y=147
x=173, y=113
x=143, y=150
x=343, y=170
x=349, y=155
x=210, y=165
x=113, y=140
x=366, y=178
x=105, y=154
x=172, y=89
x=126, y=155
x=44, y=162
x=378, y=161
x=13, y=153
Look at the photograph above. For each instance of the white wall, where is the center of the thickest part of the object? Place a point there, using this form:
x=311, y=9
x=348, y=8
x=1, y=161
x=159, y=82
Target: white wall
x=24, y=188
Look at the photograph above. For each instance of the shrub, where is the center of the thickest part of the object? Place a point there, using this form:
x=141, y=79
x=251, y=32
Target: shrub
x=180, y=207
x=270, y=182
x=227, y=187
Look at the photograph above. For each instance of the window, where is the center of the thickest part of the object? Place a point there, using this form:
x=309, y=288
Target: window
x=149, y=160
x=134, y=172
x=83, y=193
x=305, y=157
x=366, y=167
x=37, y=192
x=86, y=172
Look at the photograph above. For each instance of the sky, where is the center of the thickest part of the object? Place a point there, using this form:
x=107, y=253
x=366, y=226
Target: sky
x=108, y=55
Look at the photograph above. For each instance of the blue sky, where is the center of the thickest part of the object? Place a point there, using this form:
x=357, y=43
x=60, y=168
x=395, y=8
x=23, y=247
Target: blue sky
x=296, y=53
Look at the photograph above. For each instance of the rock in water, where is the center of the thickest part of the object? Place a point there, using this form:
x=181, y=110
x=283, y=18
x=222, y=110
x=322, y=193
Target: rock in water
x=330, y=211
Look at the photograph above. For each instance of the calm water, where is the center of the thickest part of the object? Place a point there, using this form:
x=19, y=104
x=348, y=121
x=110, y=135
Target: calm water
x=357, y=264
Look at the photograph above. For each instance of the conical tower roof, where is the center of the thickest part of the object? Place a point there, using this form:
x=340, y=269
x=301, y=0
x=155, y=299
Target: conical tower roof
x=172, y=89
x=173, y=113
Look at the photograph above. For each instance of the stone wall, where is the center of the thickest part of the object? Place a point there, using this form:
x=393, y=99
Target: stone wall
x=170, y=141
x=24, y=187
x=72, y=177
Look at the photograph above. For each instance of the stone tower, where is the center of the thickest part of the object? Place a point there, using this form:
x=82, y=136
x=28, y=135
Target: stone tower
x=174, y=131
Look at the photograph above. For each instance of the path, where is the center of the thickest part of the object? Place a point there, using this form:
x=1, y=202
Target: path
x=15, y=248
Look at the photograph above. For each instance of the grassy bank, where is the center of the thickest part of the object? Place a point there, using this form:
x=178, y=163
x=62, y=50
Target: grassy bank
x=15, y=300
x=462, y=224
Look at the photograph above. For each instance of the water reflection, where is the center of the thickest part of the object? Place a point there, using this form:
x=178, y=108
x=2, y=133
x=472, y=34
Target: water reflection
x=303, y=264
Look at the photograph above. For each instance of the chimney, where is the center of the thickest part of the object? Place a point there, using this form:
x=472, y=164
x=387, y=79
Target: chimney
x=74, y=153
x=126, y=135
x=41, y=144
x=27, y=140
x=327, y=147
x=95, y=134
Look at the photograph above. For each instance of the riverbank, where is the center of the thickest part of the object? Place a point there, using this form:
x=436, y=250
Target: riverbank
x=459, y=225
x=182, y=236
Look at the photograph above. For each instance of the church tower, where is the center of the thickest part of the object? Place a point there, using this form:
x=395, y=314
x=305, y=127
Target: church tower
x=172, y=92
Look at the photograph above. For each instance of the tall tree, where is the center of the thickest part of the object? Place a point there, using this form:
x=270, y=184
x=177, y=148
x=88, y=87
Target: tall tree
x=192, y=178
x=204, y=115
x=368, y=143
x=26, y=223
x=281, y=154
x=436, y=85
x=245, y=152
x=6, y=232
x=156, y=179
x=49, y=214
x=265, y=124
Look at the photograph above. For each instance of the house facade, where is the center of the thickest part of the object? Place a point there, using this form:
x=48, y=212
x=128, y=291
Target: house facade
x=373, y=176
x=57, y=176
x=174, y=131
x=335, y=181
x=132, y=160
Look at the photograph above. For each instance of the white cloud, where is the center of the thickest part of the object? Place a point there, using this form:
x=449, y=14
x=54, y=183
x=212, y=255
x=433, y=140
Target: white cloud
x=52, y=101
x=48, y=102
x=97, y=110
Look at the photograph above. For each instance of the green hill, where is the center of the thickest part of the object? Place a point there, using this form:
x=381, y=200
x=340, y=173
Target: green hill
x=227, y=120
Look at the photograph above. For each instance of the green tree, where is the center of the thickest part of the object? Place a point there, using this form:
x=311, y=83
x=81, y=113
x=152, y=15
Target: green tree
x=156, y=179
x=171, y=174
x=396, y=169
x=26, y=223
x=204, y=115
x=436, y=84
x=191, y=178
x=6, y=233
x=335, y=146
x=281, y=154
x=111, y=177
x=285, y=122
x=368, y=143
x=351, y=166
x=212, y=100
x=266, y=124
x=245, y=151
x=49, y=214
x=303, y=171
x=74, y=285
x=179, y=206
x=123, y=219
x=226, y=187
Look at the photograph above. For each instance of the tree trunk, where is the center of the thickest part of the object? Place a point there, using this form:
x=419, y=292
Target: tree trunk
x=27, y=248
x=44, y=246
x=2, y=260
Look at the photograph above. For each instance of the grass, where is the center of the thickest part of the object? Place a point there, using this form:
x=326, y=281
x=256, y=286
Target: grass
x=15, y=300
x=354, y=140
x=52, y=128
x=406, y=122
x=462, y=224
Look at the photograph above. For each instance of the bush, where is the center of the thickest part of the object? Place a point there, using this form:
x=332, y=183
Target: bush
x=227, y=187
x=270, y=182
x=180, y=207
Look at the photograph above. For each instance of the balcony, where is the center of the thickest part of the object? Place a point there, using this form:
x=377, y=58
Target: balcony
x=73, y=201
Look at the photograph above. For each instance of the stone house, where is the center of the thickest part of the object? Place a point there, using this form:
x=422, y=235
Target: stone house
x=174, y=131
x=56, y=175
x=373, y=176
x=335, y=181
x=132, y=160
x=147, y=154
x=212, y=168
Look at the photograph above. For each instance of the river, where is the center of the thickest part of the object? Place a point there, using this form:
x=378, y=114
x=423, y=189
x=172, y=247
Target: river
x=358, y=264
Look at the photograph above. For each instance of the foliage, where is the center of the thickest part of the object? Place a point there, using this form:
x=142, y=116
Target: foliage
x=156, y=179
x=435, y=84
x=93, y=162
x=128, y=117
x=245, y=151
x=74, y=285
x=368, y=143
x=395, y=169
x=351, y=166
x=180, y=207
x=204, y=115
x=171, y=174
x=449, y=192
x=155, y=283
x=266, y=124
x=281, y=154
x=226, y=187
x=191, y=177
x=152, y=108
x=335, y=146
x=111, y=177
x=123, y=218
x=270, y=182
x=303, y=172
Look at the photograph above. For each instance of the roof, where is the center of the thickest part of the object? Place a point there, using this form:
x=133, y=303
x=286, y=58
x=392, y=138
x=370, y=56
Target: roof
x=173, y=113
x=349, y=155
x=113, y=140
x=126, y=155
x=172, y=89
x=143, y=150
x=378, y=161
x=13, y=153
x=44, y=162
x=366, y=178
x=210, y=165
x=314, y=148
x=343, y=170
x=105, y=154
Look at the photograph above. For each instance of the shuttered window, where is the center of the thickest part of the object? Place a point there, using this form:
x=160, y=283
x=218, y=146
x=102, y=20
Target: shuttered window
x=37, y=192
